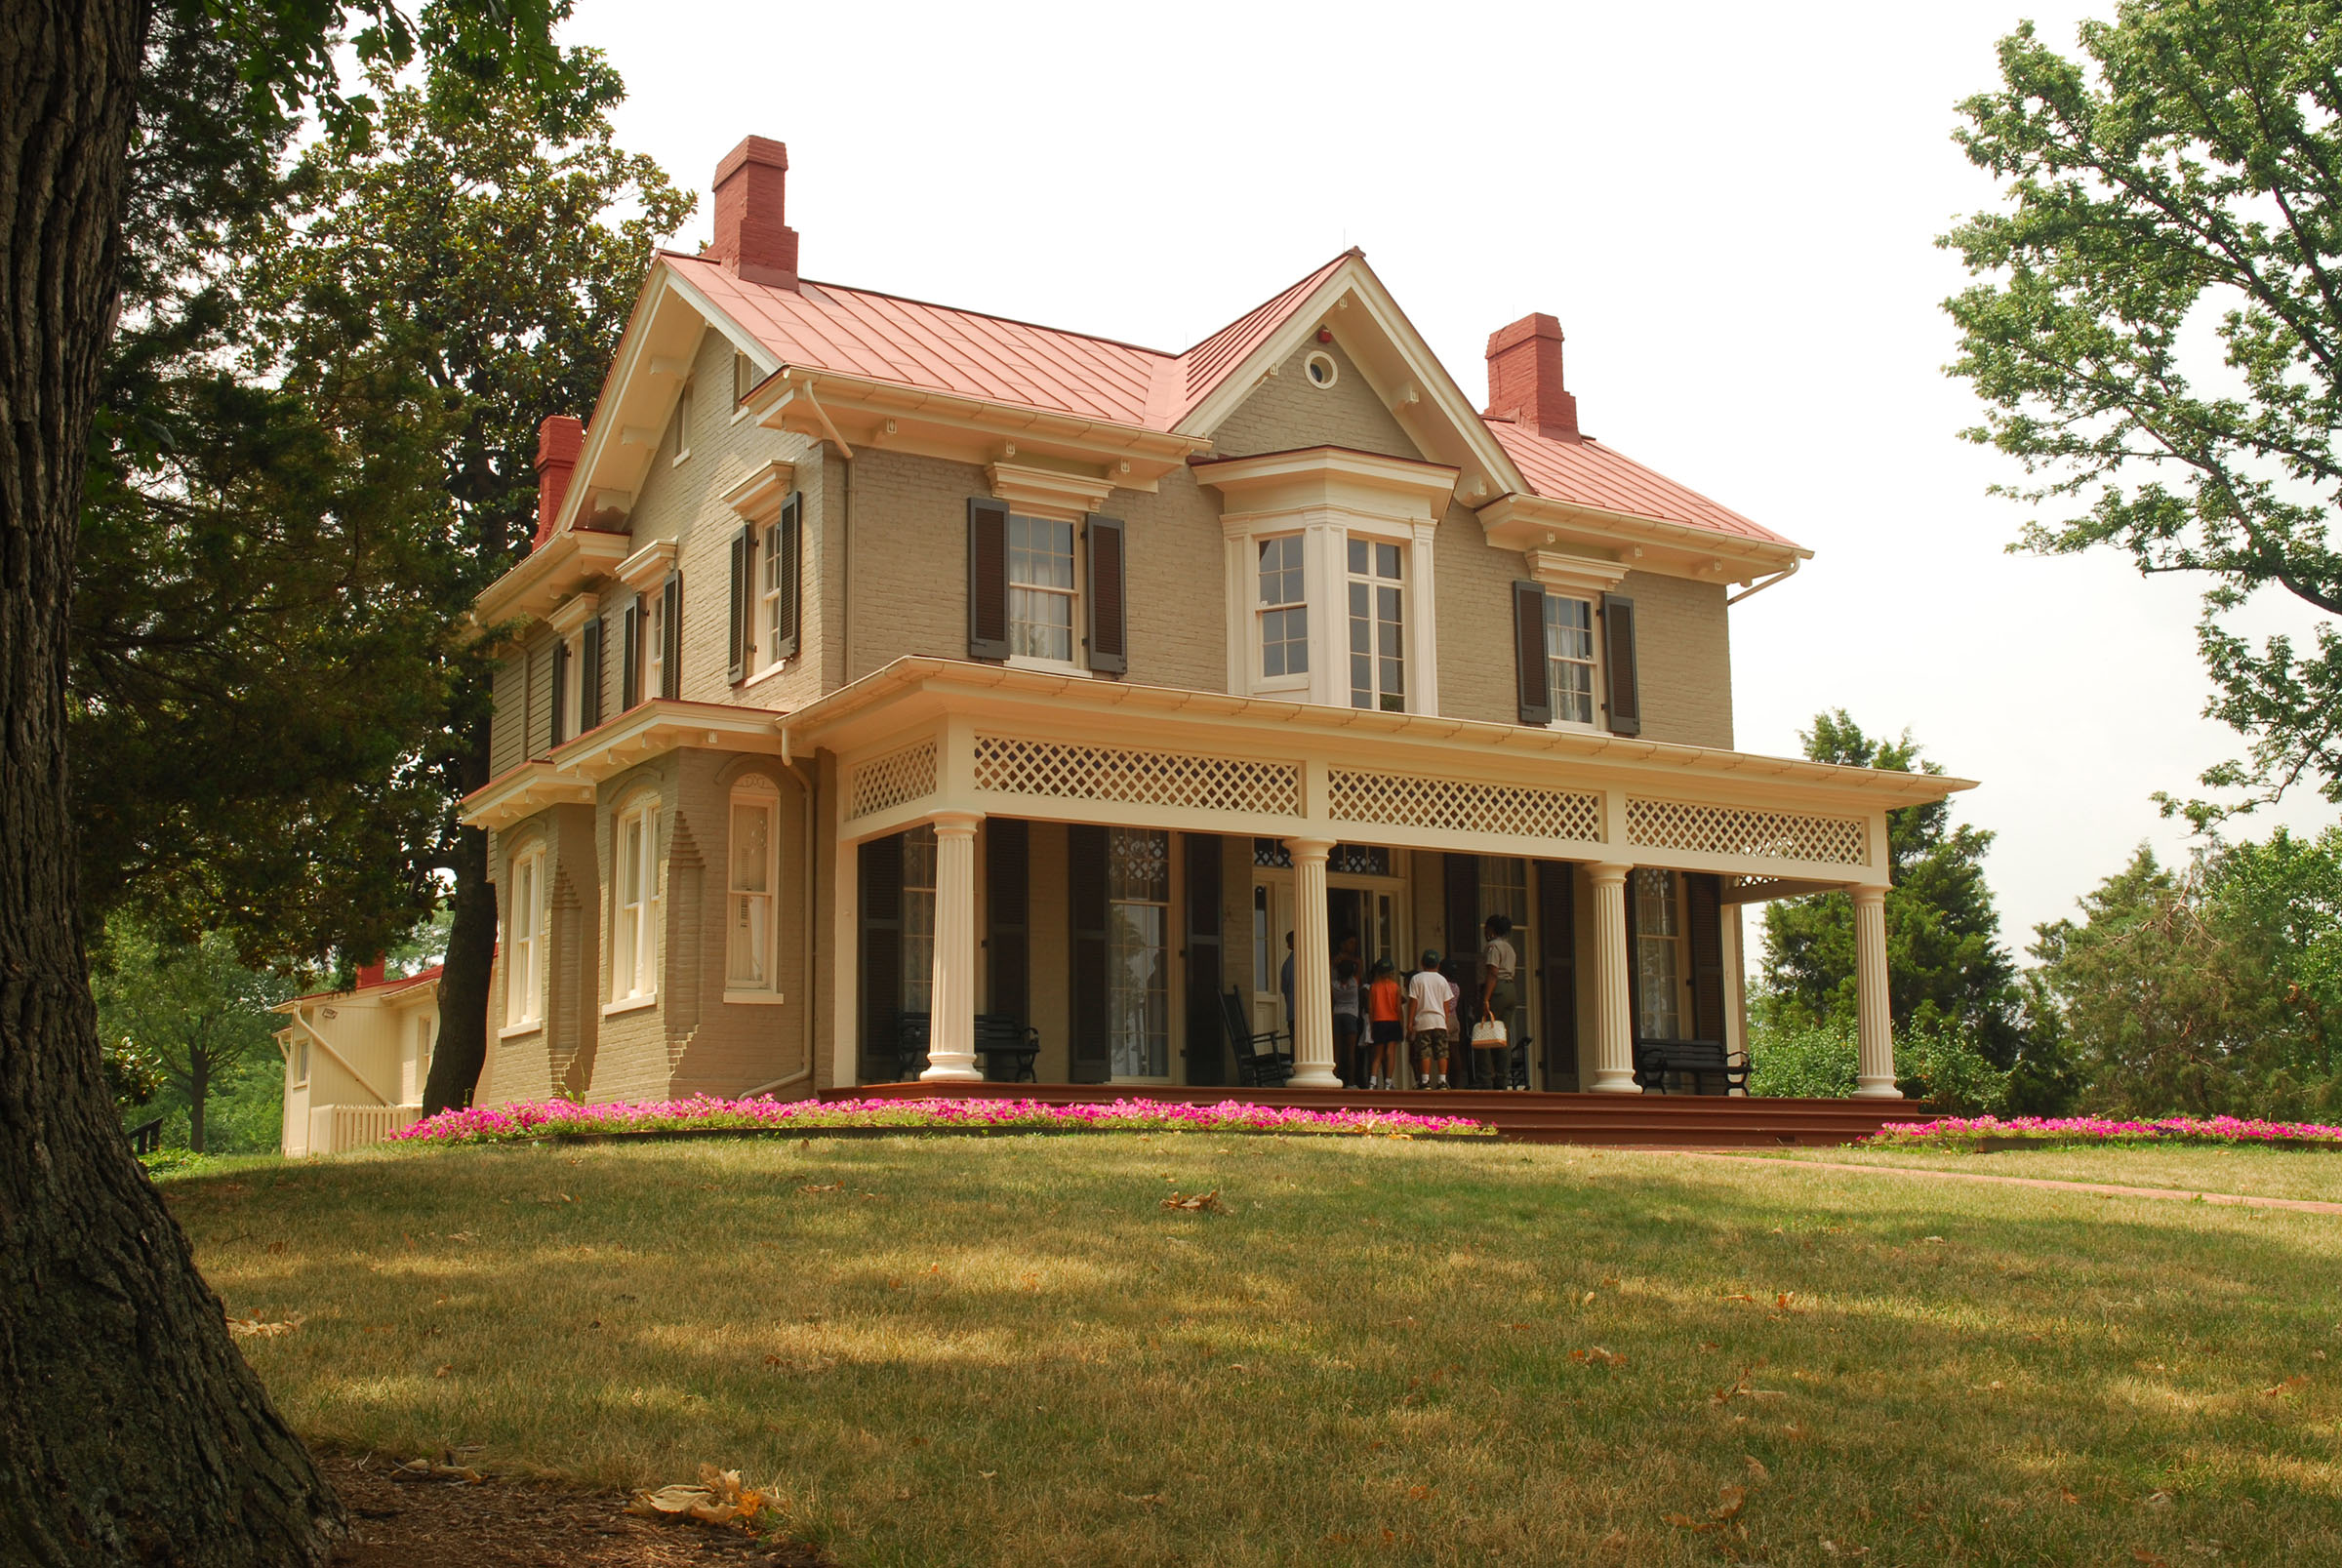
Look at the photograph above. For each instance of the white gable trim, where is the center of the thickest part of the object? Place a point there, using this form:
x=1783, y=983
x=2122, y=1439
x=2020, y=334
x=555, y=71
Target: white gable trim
x=1353, y=302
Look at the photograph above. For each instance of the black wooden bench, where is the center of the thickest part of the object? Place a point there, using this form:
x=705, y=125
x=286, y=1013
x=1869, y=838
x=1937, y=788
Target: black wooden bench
x=1663, y=1067
x=1007, y=1047
x=146, y=1138
x=1260, y=1065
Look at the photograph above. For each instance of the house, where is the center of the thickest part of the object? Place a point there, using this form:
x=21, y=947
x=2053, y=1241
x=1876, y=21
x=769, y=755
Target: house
x=882, y=660
x=355, y=1061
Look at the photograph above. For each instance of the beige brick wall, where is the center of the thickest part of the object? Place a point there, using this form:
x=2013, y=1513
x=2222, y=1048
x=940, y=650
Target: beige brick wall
x=1477, y=675
x=1286, y=410
x=1683, y=640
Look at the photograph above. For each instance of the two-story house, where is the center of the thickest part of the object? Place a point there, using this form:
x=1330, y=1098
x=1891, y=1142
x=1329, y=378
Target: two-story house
x=882, y=658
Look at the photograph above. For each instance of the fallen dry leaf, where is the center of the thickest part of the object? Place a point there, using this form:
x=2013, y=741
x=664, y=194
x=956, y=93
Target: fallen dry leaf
x=1739, y=1296
x=444, y=1468
x=1195, y=1203
x=253, y=1328
x=718, y=1499
x=1597, y=1356
x=444, y=1368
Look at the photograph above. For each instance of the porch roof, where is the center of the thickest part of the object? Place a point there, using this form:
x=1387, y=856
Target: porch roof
x=913, y=687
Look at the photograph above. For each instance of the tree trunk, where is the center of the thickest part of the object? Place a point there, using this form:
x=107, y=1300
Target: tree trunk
x=463, y=1048
x=199, y=1085
x=131, y=1430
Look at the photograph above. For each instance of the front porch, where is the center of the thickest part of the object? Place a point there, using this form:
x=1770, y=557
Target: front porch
x=1104, y=863
x=1646, y=1121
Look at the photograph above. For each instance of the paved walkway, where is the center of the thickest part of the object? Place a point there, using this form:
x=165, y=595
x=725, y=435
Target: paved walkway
x=2100, y=1189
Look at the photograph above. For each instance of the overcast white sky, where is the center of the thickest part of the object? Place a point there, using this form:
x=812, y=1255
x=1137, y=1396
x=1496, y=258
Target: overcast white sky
x=1730, y=208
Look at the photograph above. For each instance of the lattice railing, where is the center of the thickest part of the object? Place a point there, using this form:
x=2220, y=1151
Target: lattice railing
x=1131, y=777
x=885, y=783
x=1766, y=835
x=1517, y=811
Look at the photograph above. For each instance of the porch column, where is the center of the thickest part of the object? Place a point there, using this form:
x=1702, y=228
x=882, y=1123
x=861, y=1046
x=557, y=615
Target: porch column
x=951, y=1012
x=1874, y=1024
x=1313, y=968
x=1613, y=1012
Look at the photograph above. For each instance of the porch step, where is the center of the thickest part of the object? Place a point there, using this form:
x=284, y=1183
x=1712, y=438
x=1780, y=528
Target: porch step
x=1670, y=1121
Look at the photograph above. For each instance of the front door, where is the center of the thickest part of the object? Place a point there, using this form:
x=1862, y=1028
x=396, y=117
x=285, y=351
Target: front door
x=1272, y=918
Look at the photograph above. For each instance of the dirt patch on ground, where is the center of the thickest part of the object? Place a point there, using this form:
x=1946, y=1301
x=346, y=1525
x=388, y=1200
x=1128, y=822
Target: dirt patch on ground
x=504, y=1523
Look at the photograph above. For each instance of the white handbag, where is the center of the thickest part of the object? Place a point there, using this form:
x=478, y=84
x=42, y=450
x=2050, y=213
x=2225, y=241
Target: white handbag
x=1488, y=1033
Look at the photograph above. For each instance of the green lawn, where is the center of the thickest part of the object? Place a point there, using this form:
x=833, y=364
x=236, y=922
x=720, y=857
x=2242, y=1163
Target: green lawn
x=1007, y=1351
x=2270, y=1173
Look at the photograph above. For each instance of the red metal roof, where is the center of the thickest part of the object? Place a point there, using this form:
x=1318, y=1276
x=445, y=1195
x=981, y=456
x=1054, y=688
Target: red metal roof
x=884, y=338
x=1591, y=475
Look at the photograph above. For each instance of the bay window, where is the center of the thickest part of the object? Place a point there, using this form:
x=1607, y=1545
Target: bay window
x=1284, y=611
x=634, y=947
x=524, y=940
x=748, y=959
x=1378, y=659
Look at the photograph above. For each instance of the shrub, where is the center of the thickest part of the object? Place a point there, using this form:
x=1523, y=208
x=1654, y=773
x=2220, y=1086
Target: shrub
x=1818, y=1061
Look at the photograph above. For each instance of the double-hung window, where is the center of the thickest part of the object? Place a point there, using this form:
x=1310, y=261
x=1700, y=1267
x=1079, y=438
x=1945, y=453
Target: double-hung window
x=918, y=919
x=1569, y=658
x=1284, y=611
x=524, y=942
x=1138, y=954
x=683, y=423
x=1658, y=956
x=768, y=595
x=636, y=948
x=1378, y=638
x=1040, y=588
x=653, y=658
x=749, y=965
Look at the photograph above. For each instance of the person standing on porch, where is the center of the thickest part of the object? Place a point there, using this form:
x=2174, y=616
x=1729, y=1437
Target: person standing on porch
x=1431, y=1013
x=1286, y=983
x=1491, y=1037
x=1384, y=1005
x=1349, y=1024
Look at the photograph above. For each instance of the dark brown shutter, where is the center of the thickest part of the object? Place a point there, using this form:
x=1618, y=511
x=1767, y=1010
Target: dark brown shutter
x=881, y=955
x=1086, y=916
x=670, y=656
x=590, y=692
x=1207, y=1033
x=1703, y=920
x=1109, y=631
x=1533, y=675
x=791, y=544
x=1007, y=889
x=1464, y=933
x=987, y=578
x=1618, y=665
x=560, y=688
x=1558, y=971
x=629, y=658
x=744, y=558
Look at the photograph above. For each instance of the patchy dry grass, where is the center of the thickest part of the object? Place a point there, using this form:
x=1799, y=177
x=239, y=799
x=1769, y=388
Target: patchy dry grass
x=2268, y=1173
x=1008, y=1351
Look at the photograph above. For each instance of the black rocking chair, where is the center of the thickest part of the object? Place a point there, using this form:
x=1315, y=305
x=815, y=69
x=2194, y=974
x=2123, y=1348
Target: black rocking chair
x=1260, y=1065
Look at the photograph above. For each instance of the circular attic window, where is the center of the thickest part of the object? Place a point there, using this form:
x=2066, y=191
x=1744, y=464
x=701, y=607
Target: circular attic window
x=1321, y=369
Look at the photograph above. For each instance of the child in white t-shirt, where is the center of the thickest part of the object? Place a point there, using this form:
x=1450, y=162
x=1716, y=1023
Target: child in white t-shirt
x=1430, y=1005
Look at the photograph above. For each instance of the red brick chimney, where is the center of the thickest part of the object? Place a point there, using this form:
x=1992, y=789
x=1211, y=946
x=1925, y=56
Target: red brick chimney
x=1524, y=378
x=559, y=440
x=369, y=973
x=752, y=188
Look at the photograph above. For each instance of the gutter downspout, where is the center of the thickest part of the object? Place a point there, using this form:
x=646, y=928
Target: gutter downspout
x=1755, y=589
x=813, y=940
x=828, y=425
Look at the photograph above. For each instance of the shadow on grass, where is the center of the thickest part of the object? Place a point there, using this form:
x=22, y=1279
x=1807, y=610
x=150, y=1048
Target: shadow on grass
x=1381, y=1349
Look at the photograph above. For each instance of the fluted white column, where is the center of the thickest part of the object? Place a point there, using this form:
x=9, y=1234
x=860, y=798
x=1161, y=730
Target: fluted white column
x=951, y=1011
x=1313, y=968
x=1875, y=1023
x=1613, y=1007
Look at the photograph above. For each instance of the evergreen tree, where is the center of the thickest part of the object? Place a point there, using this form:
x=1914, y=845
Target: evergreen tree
x=1946, y=967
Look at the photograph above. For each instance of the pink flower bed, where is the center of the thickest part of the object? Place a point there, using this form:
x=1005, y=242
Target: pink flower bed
x=540, y=1118
x=1959, y=1129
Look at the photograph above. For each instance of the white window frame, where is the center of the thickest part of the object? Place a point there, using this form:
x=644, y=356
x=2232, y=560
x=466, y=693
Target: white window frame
x=682, y=423
x=1071, y=594
x=1261, y=608
x=1593, y=662
x=1676, y=998
x=1375, y=585
x=300, y=1061
x=638, y=900
x=573, y=687
x=753, y=793
x=1128, y=913
x=767, y=564
x=524, y=943
x=652, y=661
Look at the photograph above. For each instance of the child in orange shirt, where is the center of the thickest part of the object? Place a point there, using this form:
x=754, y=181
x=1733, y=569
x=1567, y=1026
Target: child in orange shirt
x=1384, y=1032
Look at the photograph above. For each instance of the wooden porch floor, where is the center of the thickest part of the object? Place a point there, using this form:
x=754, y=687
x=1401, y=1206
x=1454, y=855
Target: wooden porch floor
x=1670, y=1121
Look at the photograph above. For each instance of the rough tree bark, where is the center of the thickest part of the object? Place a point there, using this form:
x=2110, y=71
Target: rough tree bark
x=463, y=1045
x=131, y=1430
